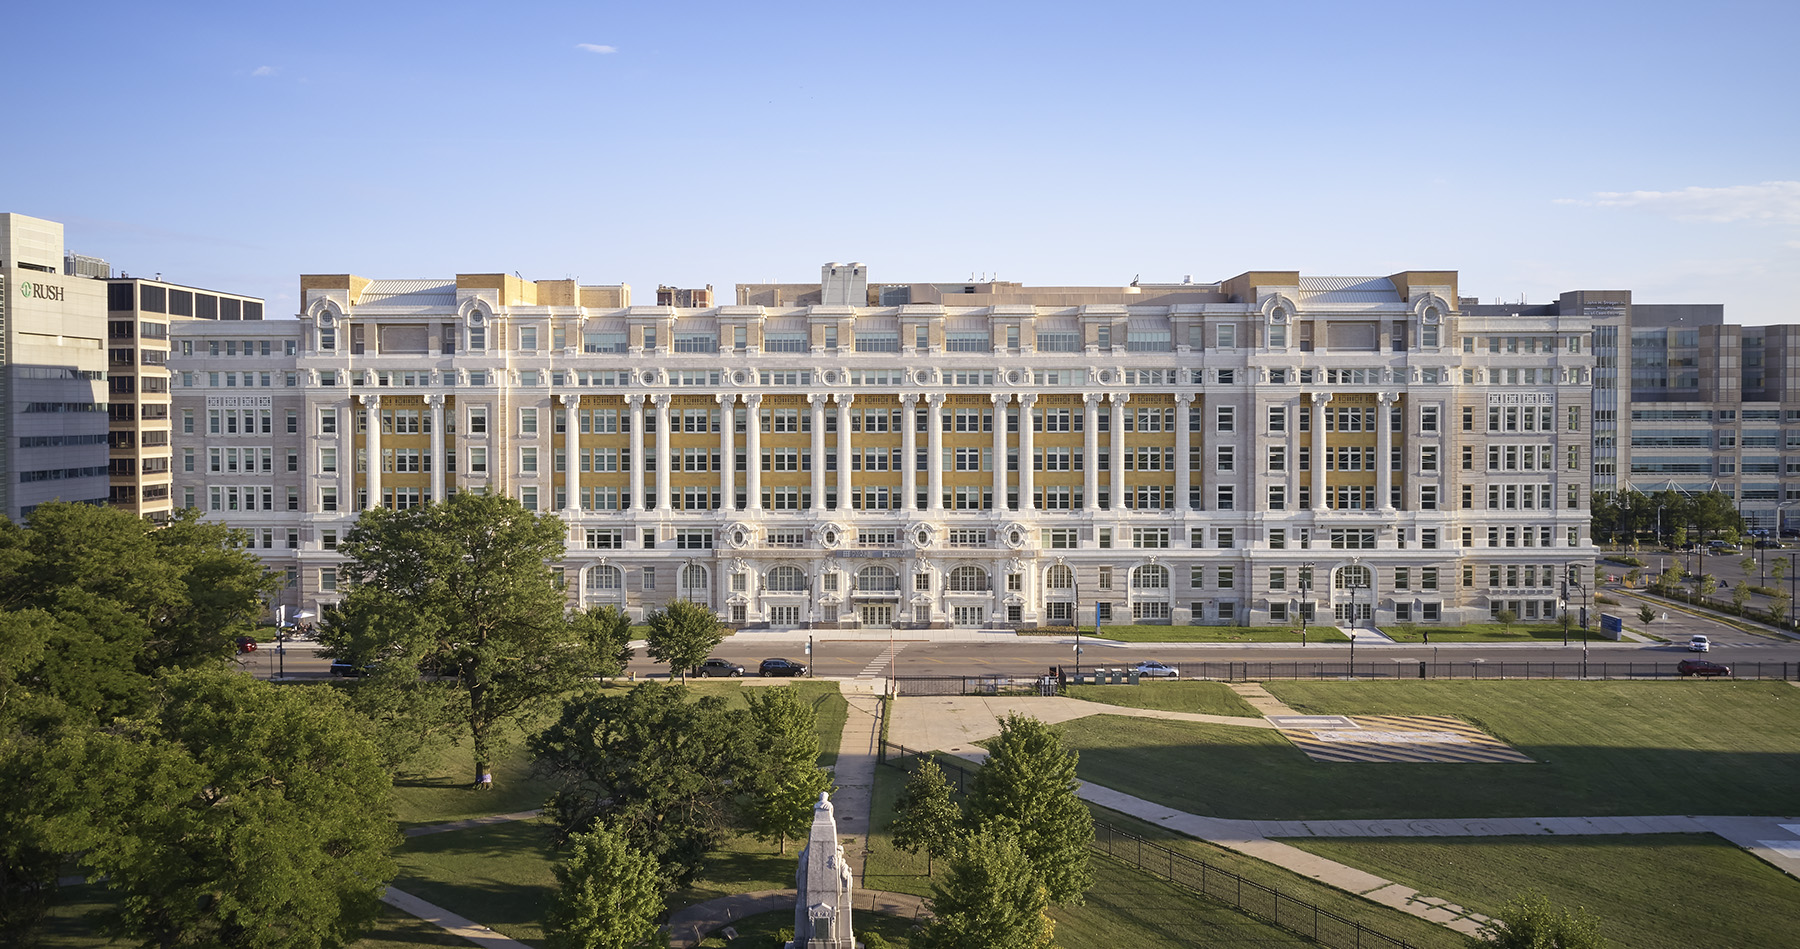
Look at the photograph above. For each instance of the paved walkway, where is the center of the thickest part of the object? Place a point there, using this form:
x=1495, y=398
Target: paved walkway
x=688, y=926
x=450, y=922
x=1260, y=699
x=854, y=774
x=471, y=822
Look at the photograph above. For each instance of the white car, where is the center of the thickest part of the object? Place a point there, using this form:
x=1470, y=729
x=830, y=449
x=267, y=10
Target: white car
x=1699, y=644
x=1156, y=670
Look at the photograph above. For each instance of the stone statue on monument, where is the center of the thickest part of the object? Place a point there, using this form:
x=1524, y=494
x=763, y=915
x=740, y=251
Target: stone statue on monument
x=822, y=905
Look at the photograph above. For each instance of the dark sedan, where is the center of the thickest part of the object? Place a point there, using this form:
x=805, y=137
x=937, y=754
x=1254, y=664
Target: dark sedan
x=782, y=667
x=717, y=667
x=1701, y=667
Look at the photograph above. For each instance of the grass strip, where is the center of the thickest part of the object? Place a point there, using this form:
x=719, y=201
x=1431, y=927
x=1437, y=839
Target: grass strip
x=1206, y=698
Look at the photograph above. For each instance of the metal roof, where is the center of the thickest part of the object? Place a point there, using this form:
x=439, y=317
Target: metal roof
x=1348, y=290
x=409, y=293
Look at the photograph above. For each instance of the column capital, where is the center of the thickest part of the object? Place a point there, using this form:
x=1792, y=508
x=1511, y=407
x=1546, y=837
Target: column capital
x=817, y=398
x=371, y=400
x=568, y=399
x=1027, y=399
x=635, y=399
x=1092, y=398
x=1000, y=398
x=1120, y=398
x=434, y=399
x=1386, y=398
x=909, y=399
x=753, y=400
x=937, y=399
x=725, y=398
x=1184, y=398
x=663, y=400
x=845, y=398
x=1320, y=398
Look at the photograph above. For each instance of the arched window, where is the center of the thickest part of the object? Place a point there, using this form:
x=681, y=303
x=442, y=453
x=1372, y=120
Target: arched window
x=1351, y=578
x=967, y=579
x=1150, y=577
x=603, y=580
x=785, y=579
x=1059, y=577
x=692, y=583
x=874, y=579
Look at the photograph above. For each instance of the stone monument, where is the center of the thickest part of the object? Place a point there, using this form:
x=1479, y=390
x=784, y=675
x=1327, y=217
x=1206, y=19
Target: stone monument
x=822, y=906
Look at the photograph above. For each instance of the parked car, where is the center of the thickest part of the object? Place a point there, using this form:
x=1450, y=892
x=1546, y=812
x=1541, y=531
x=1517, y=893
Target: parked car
x=781, y=667
x=717, y=667
x=1701, y=667
x=344, y=667
x=1699, y=644
x=1151, y=669
x=246, y=644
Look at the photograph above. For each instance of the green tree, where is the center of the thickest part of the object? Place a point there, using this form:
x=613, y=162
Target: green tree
x=1778, y=606
x=1506, y=618
x=683, y=634
x=1740, y=595
x=1029, y=780
x=991, y=896
x=1778, y=568
x=1708, y=585
x=661, y=770
x=926, y=817
x=785, y=778
x=1646, y=613
x=607, y=632
x=1531, y=922
x=461, y=589
x=608, y=894
x=1634, y=576
x=1748, y=565
x=1668, y=581
x=237, y=814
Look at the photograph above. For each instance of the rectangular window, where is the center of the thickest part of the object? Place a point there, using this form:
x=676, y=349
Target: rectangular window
x=1226, y=419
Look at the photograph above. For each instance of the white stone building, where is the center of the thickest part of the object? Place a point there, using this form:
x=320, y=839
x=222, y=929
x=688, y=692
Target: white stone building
x=979, y=454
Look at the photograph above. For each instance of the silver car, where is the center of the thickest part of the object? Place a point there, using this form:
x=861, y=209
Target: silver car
x=1151, y=669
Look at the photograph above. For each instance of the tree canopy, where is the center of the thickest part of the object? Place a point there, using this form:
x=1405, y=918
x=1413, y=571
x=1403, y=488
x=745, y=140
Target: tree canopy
x=608, y=894
x=1029, y=781
x=655, y=767
x=461, y=590
x=683, y=634
x=784, y=778
x=236, y=814
x=1532, y=922
x=1626, y=515
x=926, y=817
x=991, y=896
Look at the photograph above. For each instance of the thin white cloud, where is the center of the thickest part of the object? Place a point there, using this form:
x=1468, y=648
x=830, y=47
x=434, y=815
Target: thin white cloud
x=596, y=48
x=263, y=71
x=1775, y=202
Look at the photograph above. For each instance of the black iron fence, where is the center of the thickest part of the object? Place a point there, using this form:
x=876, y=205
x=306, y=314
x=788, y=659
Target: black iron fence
x=1253, y=670
x=1193, y=874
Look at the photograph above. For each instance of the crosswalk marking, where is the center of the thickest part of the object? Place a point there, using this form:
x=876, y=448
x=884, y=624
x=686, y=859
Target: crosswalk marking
x=1421, y=739
x=880, y=662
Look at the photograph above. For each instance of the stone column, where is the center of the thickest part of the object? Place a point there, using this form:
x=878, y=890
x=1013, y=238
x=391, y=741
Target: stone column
x=1001, y=400
x=1184, y=443
x=438, y=461
x=934, y=452
x=372, y=444
x=636, y=475
x=663, y=501
x=753, y=452
x=1026, y=401
x=1118, y=449
x=727, y=451
x=572, y=447
x=816, y=401
x=1320, y=400
x=1090, y=450
x=1384, y=450
x=845, y=446
x=909, y=451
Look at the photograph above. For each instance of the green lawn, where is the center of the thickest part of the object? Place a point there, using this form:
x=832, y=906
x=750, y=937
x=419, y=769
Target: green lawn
x=1600, y=748
x=1126, y=901
x=1485, y=632
x=1207, y=698
x=1201, y=634
x=1660, y=891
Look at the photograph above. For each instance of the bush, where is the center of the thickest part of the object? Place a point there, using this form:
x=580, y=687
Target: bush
x=1605, y=601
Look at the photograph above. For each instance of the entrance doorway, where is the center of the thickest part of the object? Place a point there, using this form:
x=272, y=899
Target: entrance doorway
x=877, y=615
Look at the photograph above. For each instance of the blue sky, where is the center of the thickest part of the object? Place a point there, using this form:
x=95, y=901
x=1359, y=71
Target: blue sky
x=1535, y=147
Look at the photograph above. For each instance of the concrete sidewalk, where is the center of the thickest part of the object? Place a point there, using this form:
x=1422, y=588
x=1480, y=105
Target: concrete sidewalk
x=444, y=919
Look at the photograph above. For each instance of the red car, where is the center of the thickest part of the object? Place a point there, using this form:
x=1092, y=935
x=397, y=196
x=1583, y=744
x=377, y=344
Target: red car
x=246, y=644
x=1701, y=667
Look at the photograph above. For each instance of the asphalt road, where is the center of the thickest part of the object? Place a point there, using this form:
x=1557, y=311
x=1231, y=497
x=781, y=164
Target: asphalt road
x=1029, y=656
